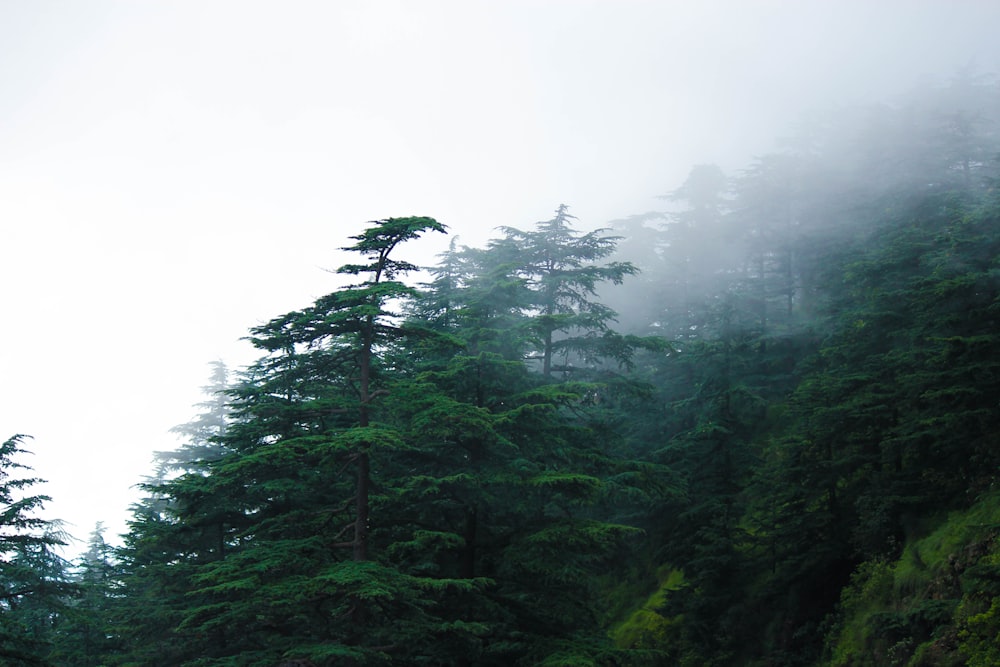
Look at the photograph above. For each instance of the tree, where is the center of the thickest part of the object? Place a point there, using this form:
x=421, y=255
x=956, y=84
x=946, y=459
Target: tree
x=33, y=577
x=560, y=270
x=137, y=613
x=515, y=465
x=699, y=248
x=203, y=434
x=86, y=634
x=307, y=565
x=354, y=323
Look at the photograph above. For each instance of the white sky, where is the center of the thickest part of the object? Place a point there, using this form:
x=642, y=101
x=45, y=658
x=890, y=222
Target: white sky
x=173, y=173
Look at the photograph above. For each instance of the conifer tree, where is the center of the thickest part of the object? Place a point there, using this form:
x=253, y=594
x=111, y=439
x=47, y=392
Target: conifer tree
x=33, y=577
x=312, y=563
x=531, y=466
x=353, y=324
x=560, y=268
x=204, y=433
x=86, y=630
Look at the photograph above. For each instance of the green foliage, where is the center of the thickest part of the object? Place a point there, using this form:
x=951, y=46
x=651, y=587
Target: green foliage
x=33, y=578
x=87, y=632
x=832, y=381
x=979, y=637
x=388, y=491
x=646, y=627
x=486, y=472
x=559, y=271
x=912, y=610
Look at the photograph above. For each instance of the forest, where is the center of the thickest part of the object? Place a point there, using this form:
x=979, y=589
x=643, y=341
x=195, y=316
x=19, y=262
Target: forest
x=759, y=426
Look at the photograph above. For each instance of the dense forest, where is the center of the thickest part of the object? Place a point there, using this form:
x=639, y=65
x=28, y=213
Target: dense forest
x=757, y=427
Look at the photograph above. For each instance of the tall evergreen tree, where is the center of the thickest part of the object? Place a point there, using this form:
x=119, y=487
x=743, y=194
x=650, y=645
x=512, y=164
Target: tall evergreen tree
x=352, y=325
x=534, y=466
x=309, y=566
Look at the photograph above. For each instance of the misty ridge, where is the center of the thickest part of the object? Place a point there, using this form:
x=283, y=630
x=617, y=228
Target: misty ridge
x=756, y=426
x=836, y=176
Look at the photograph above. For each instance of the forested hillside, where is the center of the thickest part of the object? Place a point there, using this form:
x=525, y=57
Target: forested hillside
x=760, y=426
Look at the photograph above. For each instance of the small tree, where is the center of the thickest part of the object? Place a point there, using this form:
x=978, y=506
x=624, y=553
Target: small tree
x=85, y=634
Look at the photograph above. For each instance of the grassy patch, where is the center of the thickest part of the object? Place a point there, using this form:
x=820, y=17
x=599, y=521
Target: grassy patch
x=903, y=612
x=645, y=627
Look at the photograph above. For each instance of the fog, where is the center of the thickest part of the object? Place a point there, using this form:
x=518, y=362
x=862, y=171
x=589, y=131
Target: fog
x=172, y=174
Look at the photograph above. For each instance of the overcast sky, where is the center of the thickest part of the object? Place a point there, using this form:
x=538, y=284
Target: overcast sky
x=173, y=173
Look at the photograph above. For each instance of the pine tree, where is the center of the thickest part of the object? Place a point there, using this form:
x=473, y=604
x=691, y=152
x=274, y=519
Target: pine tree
x=517, y=465
x=33, y=577
x=203, y=434
x=86, y=634
x=310, y=565
x=560, y=269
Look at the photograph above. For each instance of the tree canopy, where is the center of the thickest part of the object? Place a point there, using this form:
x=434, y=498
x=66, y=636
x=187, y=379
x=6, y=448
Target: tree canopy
x=774, y=445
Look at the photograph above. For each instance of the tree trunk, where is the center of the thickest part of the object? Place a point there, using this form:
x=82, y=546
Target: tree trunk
x=361, y=521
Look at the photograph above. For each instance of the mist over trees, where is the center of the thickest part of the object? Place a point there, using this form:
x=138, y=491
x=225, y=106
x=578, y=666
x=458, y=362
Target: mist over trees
x=756, y=427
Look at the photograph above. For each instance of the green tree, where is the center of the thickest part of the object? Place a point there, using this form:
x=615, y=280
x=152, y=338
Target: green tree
x=86, y=635
x=309, y=564
x=354, y=324
x=33, y=577
x=517, y=464
x=561, y=272
x=203, y=434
